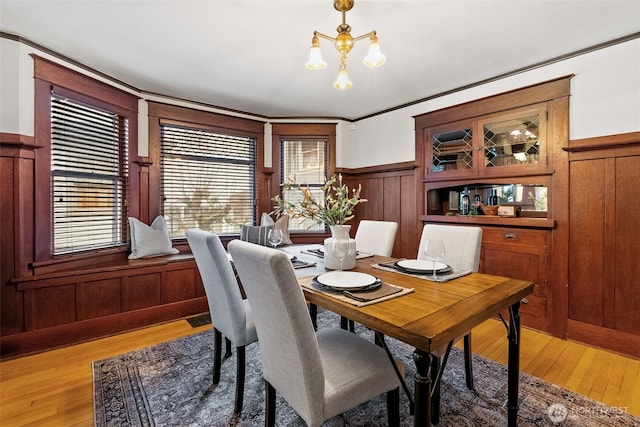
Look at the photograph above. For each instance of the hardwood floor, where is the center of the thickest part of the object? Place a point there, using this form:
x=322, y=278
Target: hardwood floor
x=55, y=388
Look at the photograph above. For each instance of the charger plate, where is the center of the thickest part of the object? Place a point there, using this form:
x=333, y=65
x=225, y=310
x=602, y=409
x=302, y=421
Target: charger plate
x=346, y=280
x=421, y=266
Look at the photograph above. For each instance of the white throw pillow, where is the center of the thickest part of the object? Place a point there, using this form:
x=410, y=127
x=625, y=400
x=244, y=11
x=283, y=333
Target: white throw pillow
x=281, y=224
x=149, y=241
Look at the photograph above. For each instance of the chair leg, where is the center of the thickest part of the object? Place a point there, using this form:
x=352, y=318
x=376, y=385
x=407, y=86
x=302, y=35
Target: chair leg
x=227, y=352
x=393, y=407
x=344, y=323
x=270, y=405
x=217, y=355
x=347, y=324
x=240, y=372
x=313, y=312
x=468, y=361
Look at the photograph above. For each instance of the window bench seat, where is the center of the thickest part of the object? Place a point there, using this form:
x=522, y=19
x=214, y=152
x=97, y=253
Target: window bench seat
x=104, y=298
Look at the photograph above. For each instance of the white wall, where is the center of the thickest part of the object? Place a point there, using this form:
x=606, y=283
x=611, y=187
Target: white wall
x=16, y=92
x=605, y=100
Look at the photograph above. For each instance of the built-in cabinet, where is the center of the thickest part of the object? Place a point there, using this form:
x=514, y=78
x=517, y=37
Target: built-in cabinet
x=505, y=150
x=523, y=253
x=505, y=143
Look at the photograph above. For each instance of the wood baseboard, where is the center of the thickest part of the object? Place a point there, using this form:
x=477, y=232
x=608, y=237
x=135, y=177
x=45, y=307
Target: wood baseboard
x=609, y=339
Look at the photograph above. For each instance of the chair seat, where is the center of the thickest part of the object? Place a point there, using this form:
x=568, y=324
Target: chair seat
x=356, y=370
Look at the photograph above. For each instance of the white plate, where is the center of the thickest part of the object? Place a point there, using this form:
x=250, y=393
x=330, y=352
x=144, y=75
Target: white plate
x=346, y=279
x=420, y=265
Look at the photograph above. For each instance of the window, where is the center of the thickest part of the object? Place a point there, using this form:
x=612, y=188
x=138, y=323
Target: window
x=89, y=174
x=207, y=179
x=305, y=162
x=304, y=152
x=85, y=187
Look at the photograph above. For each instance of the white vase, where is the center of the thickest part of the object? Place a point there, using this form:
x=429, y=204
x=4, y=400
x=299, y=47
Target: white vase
x=330, y=260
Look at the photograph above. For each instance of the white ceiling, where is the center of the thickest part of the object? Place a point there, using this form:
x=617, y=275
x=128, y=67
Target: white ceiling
x=249, y=55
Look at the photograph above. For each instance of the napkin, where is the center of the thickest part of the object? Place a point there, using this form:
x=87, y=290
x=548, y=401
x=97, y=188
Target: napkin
x=383, y=291
x=298, y=263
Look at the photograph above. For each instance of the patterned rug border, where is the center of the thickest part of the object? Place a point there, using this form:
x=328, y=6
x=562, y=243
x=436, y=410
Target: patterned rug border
x=147, y=387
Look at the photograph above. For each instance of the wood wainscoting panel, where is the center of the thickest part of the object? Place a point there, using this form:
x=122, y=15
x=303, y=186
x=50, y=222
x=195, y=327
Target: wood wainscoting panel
x=588, y=284
x=98, y=298
x=200, y=292
x=627, y=247
x=390, y=191
x=48, y=307
x=604, y=244
x=178, y=285
x=141, y=291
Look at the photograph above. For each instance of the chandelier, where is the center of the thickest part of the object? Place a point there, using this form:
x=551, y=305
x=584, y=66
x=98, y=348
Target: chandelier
x=344, y=43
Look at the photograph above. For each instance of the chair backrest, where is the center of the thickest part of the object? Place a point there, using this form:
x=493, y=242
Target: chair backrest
x=223, y=293
x=376, y=237
x=461, y=243
x=289, y=349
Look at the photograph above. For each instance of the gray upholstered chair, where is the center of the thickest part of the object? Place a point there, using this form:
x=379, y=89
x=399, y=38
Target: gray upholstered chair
x=462, y=251
x=230, y=314
x=319, y=374
x=376, y=237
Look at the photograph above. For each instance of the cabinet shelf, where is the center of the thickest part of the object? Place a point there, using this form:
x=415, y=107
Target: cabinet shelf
x=492, y=220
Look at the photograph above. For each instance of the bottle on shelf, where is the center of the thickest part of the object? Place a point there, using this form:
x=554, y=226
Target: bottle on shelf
x=465, y=202
x=477, y=203
x=493, y=199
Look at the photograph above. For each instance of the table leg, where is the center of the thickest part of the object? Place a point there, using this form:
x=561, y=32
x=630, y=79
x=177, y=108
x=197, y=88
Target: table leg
x=514, y=364
x=422, y=384
x=435, y=390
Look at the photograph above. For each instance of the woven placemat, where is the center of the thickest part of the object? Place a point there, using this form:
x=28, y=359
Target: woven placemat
x=307, y=282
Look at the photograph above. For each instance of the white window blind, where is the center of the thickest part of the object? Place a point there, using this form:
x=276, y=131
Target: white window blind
x=304, y=161
x=208, y=180
x=89, y=167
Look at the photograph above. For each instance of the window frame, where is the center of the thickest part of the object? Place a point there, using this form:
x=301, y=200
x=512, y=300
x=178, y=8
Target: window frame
x=300, y=131
x=85, y=89
x=160, y=114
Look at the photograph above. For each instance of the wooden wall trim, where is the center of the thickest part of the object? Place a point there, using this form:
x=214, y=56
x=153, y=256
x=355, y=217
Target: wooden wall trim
x=603, y=142
x=168, y=112
x=62, y=76
x=16, y=139
x=391, y=167
x=86, y=330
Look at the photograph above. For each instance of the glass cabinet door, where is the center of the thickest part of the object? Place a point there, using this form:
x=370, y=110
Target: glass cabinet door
x=514, y=140
x=450, y=150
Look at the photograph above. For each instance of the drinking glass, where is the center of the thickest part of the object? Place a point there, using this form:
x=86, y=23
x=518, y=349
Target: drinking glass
x=341, y=249
x=275, y=237
x=434, y=252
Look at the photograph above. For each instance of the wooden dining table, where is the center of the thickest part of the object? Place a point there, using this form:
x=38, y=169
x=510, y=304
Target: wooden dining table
x=429, y=318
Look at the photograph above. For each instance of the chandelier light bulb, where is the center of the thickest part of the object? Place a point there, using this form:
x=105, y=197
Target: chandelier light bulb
x=374, y=57
x=342, y=82
x=315, y=61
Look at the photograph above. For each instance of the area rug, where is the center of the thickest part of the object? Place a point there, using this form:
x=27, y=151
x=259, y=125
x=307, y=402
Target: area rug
x=170, y=385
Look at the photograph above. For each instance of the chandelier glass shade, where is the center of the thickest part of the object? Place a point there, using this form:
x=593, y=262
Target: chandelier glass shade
x=343, y=43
